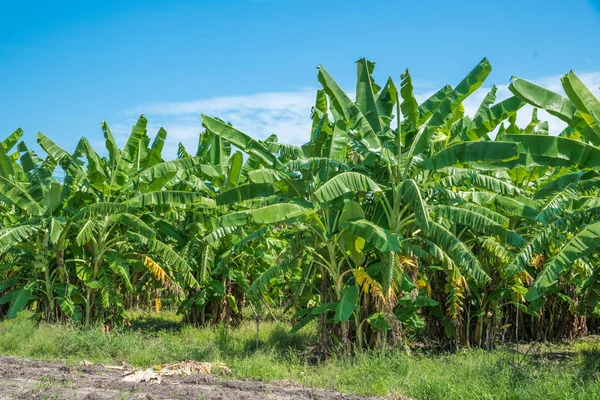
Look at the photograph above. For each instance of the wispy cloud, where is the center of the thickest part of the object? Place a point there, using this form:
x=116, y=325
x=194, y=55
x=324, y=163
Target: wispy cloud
x=284, y=113
x=287, y=113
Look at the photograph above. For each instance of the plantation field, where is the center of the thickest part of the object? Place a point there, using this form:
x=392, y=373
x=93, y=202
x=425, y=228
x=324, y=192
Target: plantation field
x=560, y=371
x=406, y=248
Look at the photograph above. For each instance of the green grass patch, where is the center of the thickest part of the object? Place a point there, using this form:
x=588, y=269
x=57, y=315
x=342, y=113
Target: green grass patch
x=560, y=372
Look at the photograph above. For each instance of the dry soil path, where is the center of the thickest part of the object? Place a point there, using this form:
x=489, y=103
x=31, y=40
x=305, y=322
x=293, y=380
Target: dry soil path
x=24, y=378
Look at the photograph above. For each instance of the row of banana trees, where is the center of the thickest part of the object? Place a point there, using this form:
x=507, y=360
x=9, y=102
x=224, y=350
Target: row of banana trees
x=461, y=229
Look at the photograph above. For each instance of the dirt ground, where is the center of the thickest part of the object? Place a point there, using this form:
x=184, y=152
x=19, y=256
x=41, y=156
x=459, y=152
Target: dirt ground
x=23, y=378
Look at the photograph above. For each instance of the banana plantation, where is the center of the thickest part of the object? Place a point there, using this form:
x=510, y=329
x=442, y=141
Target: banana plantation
x=395, y=220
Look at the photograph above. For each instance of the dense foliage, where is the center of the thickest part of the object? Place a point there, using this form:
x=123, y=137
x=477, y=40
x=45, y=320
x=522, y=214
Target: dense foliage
x=459, y=228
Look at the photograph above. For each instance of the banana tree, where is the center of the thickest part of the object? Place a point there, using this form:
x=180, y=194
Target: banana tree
x=110, y=204
x=32, y=236
x=385, y=215
x=430, y=137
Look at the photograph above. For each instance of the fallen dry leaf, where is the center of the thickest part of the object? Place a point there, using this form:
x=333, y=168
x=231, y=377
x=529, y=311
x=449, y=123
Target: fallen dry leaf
x=143, y=376
x=182, y=368
x=192, y=367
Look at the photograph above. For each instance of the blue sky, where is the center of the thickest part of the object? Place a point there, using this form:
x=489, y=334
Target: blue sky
x=64, y=69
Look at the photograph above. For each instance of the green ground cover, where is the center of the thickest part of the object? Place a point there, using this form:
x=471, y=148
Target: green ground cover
x=555, y=372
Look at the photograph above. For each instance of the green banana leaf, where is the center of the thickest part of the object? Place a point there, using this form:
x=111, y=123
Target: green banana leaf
x=573, y=151
x=381, y=238
x=584, y=243
x=345, y=306
x=470, y=152
x=346, y=182
x=241, y=141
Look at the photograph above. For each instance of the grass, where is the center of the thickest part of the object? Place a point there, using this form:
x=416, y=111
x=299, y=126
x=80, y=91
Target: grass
x=471, y=374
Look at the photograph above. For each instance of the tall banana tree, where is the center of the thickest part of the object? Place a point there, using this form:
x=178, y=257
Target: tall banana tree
x=387, y=213
x=104, y=211
x=32, y=237
x=561, y=177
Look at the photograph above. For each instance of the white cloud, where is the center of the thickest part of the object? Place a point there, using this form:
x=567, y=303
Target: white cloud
x=287, y=113
x=284, y=113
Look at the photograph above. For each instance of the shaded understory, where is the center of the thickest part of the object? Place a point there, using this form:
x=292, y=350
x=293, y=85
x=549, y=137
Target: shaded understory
x=543, y=371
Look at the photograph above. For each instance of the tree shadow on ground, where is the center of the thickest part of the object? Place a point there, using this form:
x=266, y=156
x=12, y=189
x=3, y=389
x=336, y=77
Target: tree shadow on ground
x=277, y=340
x=589, y=369
x=153, y=324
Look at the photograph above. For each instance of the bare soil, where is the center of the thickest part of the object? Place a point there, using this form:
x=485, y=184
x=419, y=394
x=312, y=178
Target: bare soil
x=24, y=378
